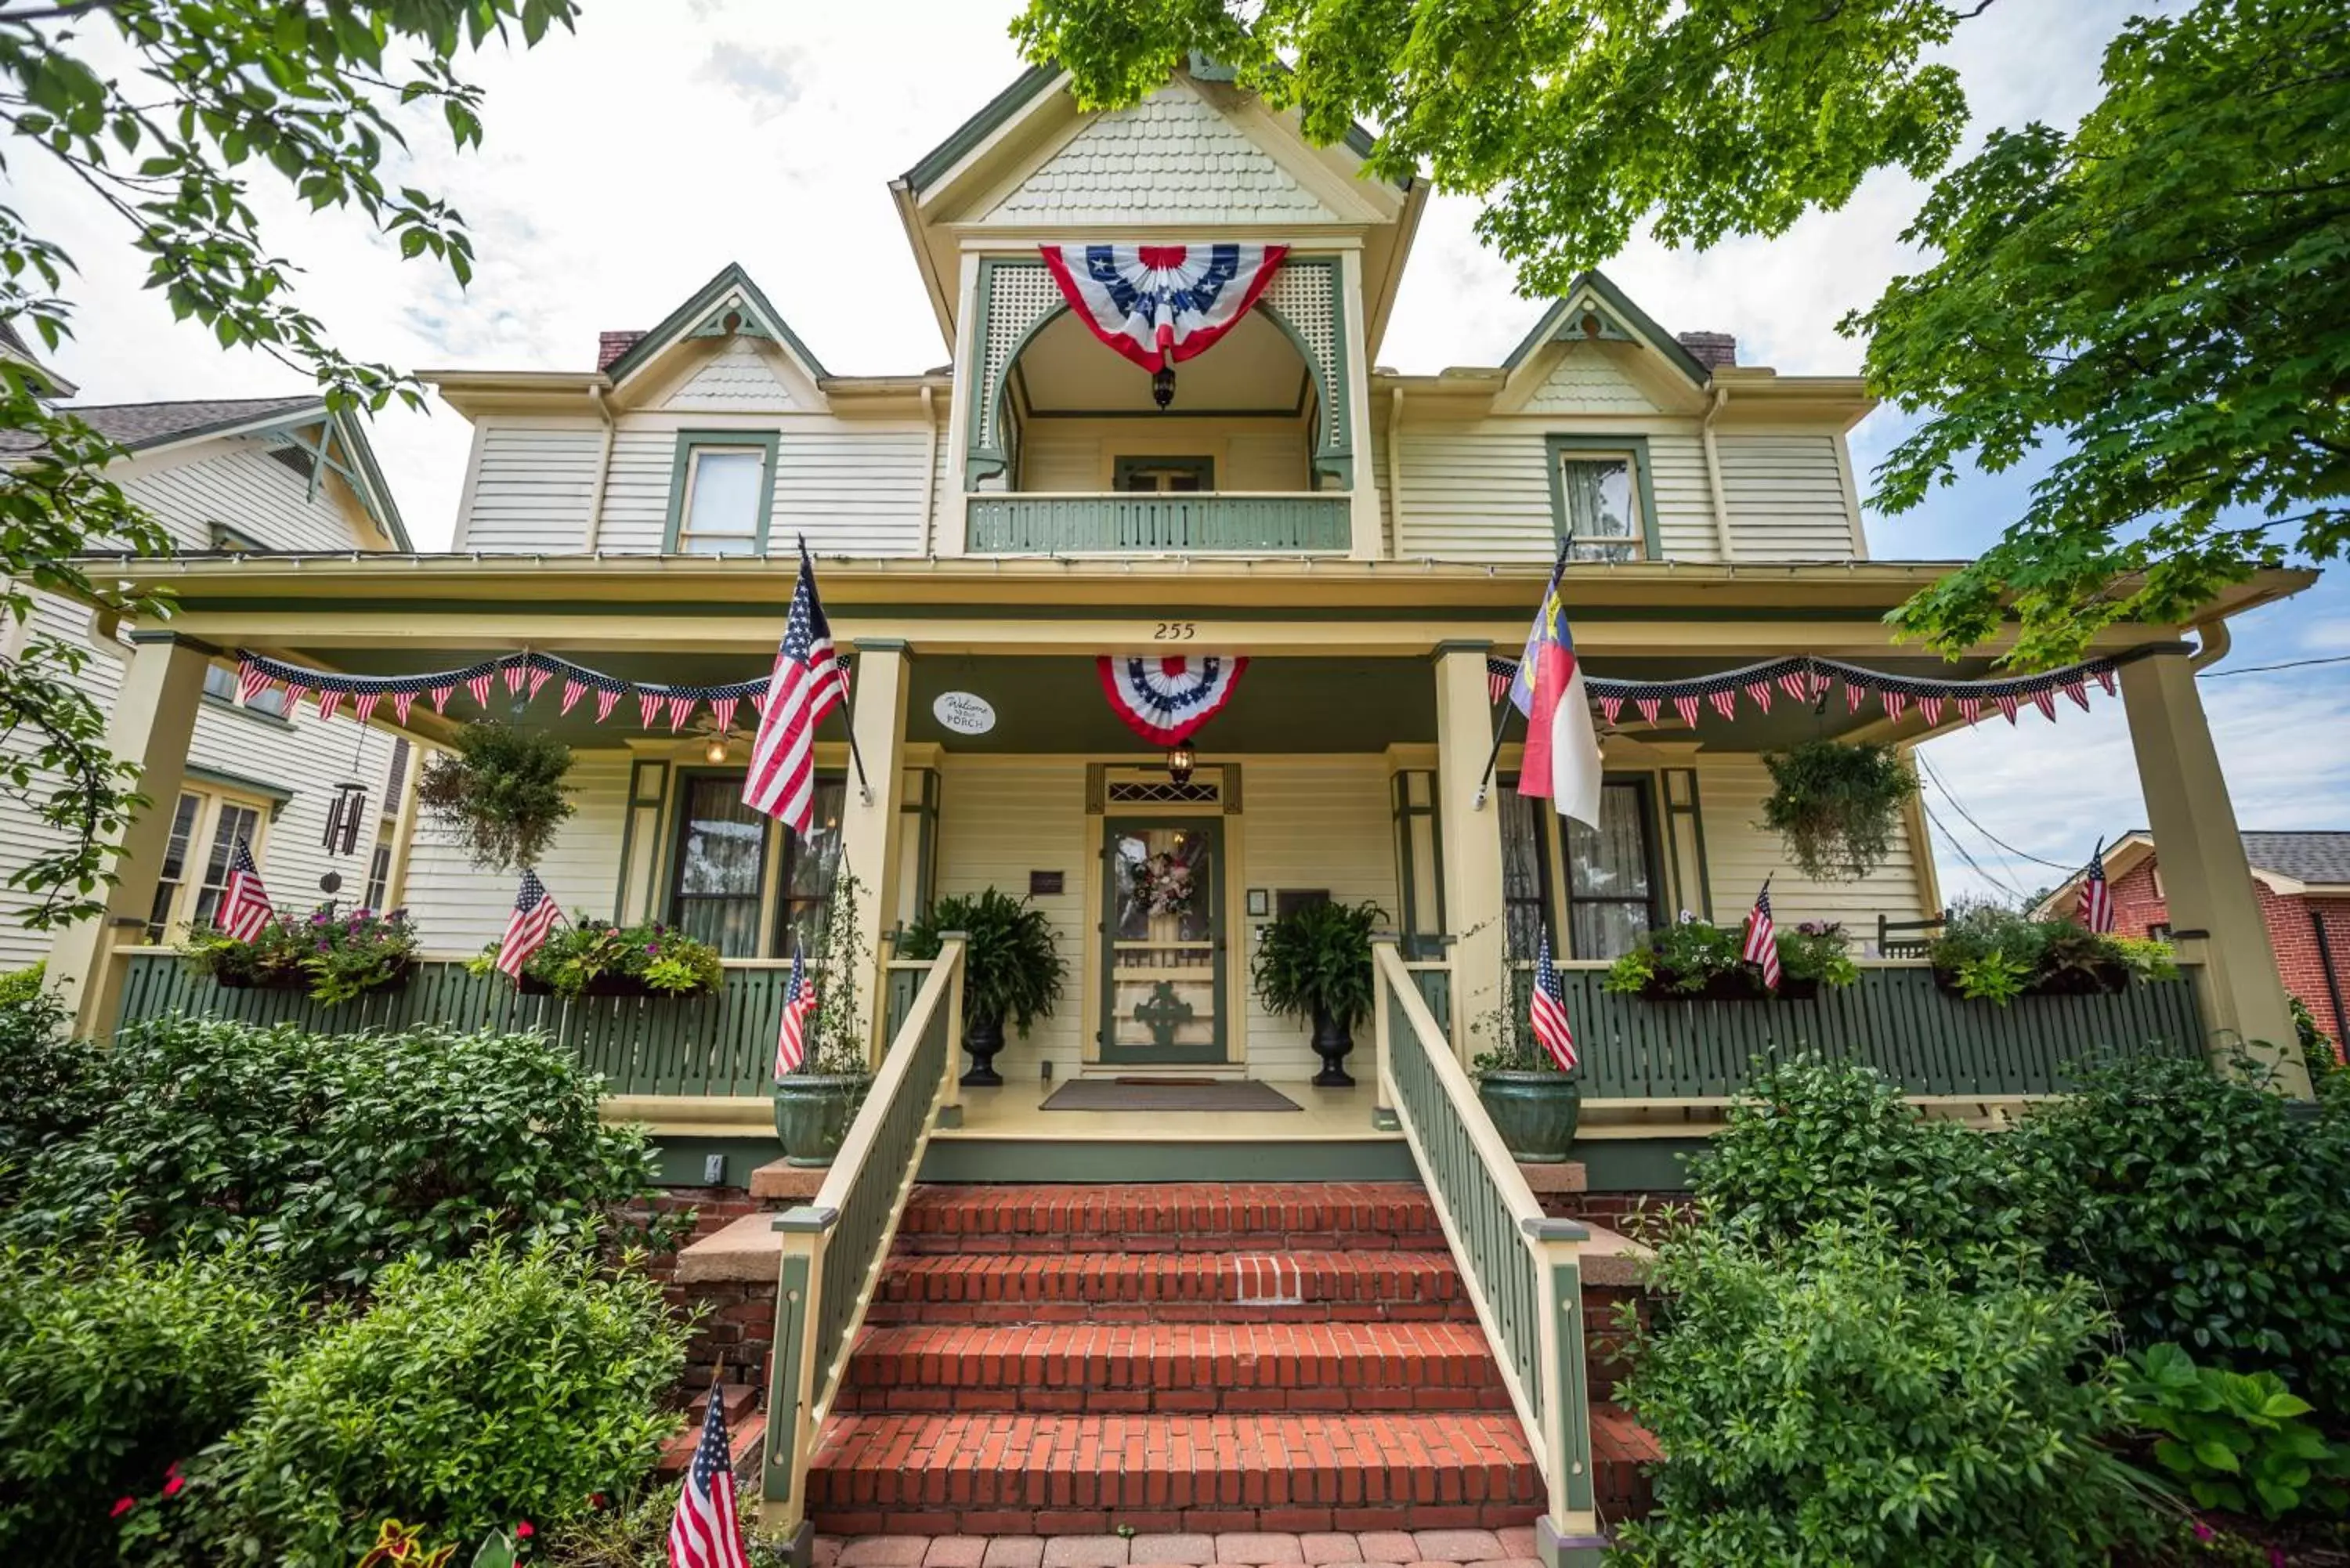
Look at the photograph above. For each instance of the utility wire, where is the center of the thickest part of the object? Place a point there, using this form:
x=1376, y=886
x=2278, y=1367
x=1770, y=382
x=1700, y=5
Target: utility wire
x=2264, y=669
x=1976, y=865
x=1944, y=790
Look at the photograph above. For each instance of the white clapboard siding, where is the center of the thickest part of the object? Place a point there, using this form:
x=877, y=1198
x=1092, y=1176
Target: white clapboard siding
x=458, y=907
x=235, y=483
x=998, y=821
x=1270, y=460
x=1739, y=855
x=533, y=484
x=1060, y=457
x=1786, y=497
x=852, y=487
x=635, y=492
x=1307, y=823
x=1480, y=491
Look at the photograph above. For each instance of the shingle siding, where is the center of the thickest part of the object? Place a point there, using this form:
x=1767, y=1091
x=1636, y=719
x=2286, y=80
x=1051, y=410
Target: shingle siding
x=1172, y=158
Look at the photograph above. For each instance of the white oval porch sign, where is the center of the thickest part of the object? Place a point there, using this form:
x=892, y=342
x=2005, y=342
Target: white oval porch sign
x=964, y=712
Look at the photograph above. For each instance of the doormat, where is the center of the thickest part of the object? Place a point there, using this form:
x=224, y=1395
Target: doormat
x=1167, y=1094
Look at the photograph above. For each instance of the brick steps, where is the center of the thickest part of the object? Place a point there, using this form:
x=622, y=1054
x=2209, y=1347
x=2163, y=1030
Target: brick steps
x=1167, y=1287
x=1014, y=1474
x=1195, y=1217
x=1116, y=1368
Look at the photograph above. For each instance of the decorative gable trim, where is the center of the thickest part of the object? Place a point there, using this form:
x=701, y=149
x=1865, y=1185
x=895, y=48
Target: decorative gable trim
x=1592, y=307
x=728, y=304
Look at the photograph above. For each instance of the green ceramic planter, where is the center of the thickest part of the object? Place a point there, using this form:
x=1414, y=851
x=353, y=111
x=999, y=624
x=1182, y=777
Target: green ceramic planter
x=812, y=1117
x=1535, y=1113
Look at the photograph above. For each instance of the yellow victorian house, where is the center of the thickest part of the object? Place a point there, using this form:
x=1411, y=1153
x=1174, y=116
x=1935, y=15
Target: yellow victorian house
x=1371, y=544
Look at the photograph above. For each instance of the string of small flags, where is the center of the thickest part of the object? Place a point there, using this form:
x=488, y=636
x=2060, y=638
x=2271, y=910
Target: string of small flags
x=1809, y=682
x=509, y=677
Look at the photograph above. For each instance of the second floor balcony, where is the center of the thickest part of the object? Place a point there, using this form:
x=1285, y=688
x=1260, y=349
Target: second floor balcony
x=1064, y=523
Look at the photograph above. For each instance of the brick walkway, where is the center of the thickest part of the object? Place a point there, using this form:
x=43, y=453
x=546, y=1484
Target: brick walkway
x=1509, y=1548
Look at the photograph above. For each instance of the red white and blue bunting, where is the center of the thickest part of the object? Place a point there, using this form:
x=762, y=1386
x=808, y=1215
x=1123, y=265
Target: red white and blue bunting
x=1165, y=699
x=1808, y=680
x=1160, y=305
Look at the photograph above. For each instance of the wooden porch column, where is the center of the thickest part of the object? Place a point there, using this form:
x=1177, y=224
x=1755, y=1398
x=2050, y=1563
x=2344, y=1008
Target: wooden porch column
x=869, y=830
x=2205, y=876
x=1471, y=836
x=154, y=719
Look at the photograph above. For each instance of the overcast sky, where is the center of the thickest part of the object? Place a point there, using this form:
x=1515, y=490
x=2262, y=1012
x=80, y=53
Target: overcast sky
x=624, y=166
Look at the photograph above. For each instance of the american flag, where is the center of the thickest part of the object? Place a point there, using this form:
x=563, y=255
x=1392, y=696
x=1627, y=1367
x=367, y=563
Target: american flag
x=1500, y=676
x=244, y=902
x=799, y=1001
x=703, y=1533
x=533, y=916
x=2096, y=895
x=805, y=687
x=1548, y=1012
x=1763, y=938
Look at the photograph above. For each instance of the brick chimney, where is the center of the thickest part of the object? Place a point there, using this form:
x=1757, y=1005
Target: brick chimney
x=1711, y=349
x=610, y=346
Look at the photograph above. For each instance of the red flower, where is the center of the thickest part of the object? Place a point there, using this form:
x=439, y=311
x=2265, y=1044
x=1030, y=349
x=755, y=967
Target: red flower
x=2202, y=1531
x=122, y=1505
x=596, y=1499
x=524, y=1530
x=172, y=1479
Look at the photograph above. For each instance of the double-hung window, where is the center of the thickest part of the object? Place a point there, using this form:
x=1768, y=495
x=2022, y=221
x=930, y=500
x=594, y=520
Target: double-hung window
x=219, y=684
x=1614, y=873
x=204, y=831
x=726, y=861
x=1602, y=500
x=720, y=491
x=231, y=823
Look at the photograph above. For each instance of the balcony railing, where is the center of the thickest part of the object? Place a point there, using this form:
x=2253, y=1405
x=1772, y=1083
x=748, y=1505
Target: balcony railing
x=1040, y=525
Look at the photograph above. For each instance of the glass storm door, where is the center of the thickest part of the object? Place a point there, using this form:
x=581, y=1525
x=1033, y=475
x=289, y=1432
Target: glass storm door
x=1163, y=953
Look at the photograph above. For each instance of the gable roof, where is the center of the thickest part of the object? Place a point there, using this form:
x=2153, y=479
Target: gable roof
x=2290, y=862
x=14, y=347
x=1630, y=319
x=692, y=318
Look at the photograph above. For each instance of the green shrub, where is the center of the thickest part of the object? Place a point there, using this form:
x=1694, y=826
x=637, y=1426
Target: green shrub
x=2212, y=1217
x=1992, y=953
x=472, y=1394
x=114, y=1366
x=344, y=1153
x=1857, y=1401
x=1812, y=1140
x=46, y=1092
x=2239, y=1441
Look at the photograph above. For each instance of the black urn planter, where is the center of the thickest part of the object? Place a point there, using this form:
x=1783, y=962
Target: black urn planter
x=1333, y=1041
x=983, y=1037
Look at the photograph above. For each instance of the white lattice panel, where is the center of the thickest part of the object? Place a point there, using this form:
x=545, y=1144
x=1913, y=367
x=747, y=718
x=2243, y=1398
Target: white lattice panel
x=1306, y=295
x=1019, y=296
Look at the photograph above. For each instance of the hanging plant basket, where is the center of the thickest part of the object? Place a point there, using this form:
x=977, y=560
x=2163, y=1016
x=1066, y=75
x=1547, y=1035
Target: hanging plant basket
x=500, y=794
x=1837, y=807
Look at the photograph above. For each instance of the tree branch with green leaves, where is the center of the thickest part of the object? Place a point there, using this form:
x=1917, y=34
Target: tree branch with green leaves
x=164, y=113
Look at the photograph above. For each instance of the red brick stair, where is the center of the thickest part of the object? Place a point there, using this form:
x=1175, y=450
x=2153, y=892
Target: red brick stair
x=1176, y=1356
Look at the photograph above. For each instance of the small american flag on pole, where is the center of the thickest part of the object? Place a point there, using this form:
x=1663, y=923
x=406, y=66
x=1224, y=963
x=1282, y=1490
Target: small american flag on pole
x=1501, y=674
x=805, y=687
x=244, y=902
x=799, y=1001
x=1763, y=938
x=2096, y=906
x=1547, y=1012
x=533, y=916
x=703, y=1532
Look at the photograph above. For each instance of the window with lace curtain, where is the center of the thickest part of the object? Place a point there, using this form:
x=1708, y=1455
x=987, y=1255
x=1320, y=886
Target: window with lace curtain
x=1602, y=500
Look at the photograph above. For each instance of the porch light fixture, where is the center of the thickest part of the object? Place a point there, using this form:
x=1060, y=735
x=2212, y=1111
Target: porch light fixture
x=1162, y=386
x=715, y=750
x=1179, y=761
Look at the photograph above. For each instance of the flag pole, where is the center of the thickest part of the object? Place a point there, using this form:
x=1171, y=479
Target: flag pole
x=1485, y=780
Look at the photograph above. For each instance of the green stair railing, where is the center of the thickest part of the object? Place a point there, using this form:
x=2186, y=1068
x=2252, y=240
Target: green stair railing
x=835, y=1246
x=1522, y=1268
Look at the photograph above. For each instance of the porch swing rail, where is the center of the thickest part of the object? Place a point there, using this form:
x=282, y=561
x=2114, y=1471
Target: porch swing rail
x=836, y=1244
x=1523, y=1268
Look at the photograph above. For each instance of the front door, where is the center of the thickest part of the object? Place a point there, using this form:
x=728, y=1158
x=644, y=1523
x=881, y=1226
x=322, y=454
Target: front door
x=1163, y=947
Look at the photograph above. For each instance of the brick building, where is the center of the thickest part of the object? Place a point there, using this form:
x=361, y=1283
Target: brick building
x=2302, y=882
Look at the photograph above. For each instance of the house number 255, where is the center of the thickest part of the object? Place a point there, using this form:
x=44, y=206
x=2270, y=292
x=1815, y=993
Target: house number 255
x=1176, y=631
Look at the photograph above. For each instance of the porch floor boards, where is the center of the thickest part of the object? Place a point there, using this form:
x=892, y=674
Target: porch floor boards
x=1014, y=1111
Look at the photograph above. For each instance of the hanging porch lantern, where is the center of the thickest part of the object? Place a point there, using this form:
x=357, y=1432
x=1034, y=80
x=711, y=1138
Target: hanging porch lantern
x=1181, y=761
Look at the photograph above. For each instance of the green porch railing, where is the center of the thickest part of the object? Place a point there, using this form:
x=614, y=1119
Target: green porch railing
x=722, y=1043
x=1013, y=525
x=901, y=983
x=1522, y=1268
x=1894, y=1018
x=834, y=1247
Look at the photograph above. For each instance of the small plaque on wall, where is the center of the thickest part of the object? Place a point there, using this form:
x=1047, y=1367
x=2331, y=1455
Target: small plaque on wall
x=1045, y=884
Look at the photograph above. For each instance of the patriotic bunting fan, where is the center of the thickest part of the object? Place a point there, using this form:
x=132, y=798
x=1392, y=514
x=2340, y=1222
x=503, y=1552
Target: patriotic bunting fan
x=1165, y=699
x=1160, y=305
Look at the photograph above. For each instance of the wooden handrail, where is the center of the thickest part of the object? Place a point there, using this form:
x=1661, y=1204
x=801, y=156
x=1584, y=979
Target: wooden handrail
x=1522, y=1268
x=835, y=1246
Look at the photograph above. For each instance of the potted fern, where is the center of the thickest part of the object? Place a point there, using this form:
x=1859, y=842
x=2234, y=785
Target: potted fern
x=1314, y=964
x=815, y=1102
x=1011, y=968
x=1837, y=806
x=500, y=794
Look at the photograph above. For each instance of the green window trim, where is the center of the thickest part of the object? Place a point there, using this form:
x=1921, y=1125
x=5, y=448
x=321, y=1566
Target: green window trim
x=681, y=465
x=1556, y=447
x=1407, y=814
x=1203, y=469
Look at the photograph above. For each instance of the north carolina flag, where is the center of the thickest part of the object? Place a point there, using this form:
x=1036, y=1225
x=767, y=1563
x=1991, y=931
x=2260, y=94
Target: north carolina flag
x=1562, y=755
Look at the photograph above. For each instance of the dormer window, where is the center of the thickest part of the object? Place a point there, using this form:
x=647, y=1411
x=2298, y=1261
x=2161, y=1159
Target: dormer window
x=1601, y=498
x=720, y=493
